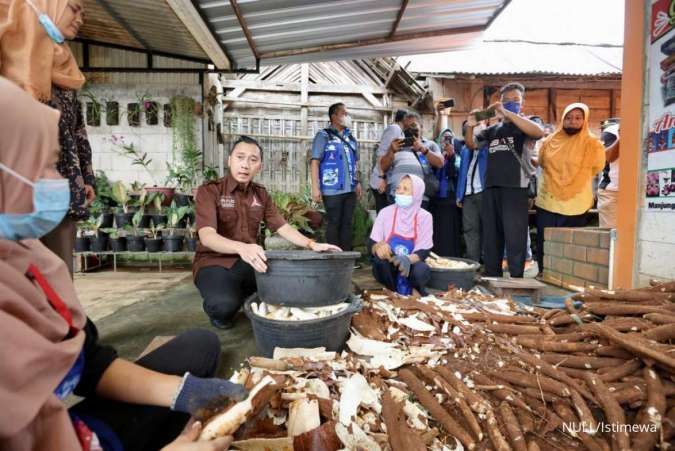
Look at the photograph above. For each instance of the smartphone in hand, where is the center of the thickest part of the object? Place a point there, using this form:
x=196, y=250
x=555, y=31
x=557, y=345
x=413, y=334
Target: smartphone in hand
x=484, y=114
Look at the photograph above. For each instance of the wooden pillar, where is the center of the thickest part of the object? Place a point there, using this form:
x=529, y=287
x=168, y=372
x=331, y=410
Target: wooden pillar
x=304, y=124
x=612, y=103
x=631, y=145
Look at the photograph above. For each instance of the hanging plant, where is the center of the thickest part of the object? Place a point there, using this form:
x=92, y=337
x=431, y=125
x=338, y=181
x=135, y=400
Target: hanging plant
x=112, y=113
x=184, y=171
x=93, y=114
x=134, y=114
x=151, y=112
x=167, y=115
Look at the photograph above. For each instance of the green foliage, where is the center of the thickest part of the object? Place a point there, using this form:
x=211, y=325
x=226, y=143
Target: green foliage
x=174, y=215
x=104, y=200
x=362, y=225
x=136, y=222
x=114, y=232
x=130, y=151
x=210, y=173
x=94, y=223
x=185, y=172
x=293, y=208
x=155, y=229
x=121, y=195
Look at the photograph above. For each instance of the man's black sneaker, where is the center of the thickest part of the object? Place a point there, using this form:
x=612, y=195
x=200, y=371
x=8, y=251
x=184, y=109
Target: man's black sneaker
x=223, y=325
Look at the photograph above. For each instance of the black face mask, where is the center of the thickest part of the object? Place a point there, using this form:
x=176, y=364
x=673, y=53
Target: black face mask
x=571, y=131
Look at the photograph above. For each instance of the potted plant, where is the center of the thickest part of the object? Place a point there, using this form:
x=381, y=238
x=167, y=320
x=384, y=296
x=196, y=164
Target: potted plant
x=81, y=240
x=93, y=109
x=191, y=238
x=154, y=242
x=117, y=239
x=157, y=201
x=134, y=114
x=104, y=202
x=294, y=211
x=112, y=113
x=121, y=195
x=99, y=241
x=172, y=242
x=136, y=239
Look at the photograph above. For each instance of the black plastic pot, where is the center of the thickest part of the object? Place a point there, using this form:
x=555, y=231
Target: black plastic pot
x=182, y=200
x=459, y=278
x=153, y=244
x=107, y=220
x=135, y=243
x=191, y=244
x=173, y=244
x=82, y=244
x=98, y=243
x=330, y=332
x=123, y=219
x=158, y=219
x=306, y=278
x=118, y=244
x=145, y=221
x=112, y=113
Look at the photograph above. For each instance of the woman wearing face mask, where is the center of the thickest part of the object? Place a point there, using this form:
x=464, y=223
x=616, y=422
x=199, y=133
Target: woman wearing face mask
x=401, y=240
x=49, y=349
x=32, y=55
x=570, y=158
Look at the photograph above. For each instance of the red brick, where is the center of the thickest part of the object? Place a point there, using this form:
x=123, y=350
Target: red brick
x=548, y=234
x=553, y=249
x=552, y=277
x=597, y=256
x=587, y=237
x=560, y=234
x=603, y=276
x=605, y=240
x=586, y=271
x=547, y=261
x=572, y=283
x=561, y=265
x=577, y=253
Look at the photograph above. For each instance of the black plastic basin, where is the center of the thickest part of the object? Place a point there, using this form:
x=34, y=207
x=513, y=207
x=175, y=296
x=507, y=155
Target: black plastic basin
x=306, y=278
x=459, y=278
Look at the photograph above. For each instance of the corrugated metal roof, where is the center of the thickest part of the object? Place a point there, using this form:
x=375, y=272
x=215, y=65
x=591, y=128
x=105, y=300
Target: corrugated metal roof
x=313, y=30
x=142, y=24
x=496, y=58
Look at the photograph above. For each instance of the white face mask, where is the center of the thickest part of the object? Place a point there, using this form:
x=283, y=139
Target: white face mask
x=346, y=121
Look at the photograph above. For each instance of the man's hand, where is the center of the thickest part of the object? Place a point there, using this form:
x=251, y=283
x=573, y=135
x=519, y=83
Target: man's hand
x=316, y=194
x=359, y=190
x=90, y=192
x=187, y=440
x=382, y=250
x=417, y=145
x=382, y=186
x=395, y=145
x=254, y=255
x=471, y=118
x=324, y=247
x=449, y=150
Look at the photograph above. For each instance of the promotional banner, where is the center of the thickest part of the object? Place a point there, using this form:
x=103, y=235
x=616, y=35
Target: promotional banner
x=661, y=113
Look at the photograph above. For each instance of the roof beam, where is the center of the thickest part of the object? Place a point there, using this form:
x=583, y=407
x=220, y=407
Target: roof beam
x=244, y=28
x=375, y=41
x=399, y=16
x=188, y=14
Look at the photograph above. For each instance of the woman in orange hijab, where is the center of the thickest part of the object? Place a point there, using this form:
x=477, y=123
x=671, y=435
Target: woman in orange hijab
x=570, y=158
x=49, y=348
x=31, y=58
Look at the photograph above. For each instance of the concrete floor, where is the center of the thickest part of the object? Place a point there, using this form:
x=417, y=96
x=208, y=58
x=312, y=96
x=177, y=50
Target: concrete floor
x=133, y=306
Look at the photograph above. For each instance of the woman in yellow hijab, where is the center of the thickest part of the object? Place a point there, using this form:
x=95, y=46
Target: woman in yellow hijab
x=569, y=159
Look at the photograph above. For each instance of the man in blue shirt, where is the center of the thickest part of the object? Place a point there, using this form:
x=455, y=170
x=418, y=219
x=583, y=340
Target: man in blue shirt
x=335, y=175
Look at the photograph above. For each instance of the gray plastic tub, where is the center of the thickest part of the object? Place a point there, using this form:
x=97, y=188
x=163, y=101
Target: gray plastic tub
x=460, y=278
x=330, y=332
x=306, y=278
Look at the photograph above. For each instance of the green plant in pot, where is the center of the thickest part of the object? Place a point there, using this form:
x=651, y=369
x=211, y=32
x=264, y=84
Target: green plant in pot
x=81, y=239
x=295, y=212
x=124, y=211
x=116, y=238
x=191, y=236
x=136, y=239
x=156, y=201
x=153, y=243
x=172, y=242
x=99, y=240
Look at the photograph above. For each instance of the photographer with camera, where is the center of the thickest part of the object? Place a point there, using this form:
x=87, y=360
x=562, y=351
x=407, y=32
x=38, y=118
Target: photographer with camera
x=415, y=155
x=509, y=169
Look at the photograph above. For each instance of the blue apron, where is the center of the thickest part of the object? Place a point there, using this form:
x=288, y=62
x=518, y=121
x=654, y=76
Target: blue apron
x=401, y=245
x=331, y=167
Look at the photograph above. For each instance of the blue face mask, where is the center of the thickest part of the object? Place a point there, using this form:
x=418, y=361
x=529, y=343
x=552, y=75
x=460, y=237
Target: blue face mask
x=513, y=107
x=51, y=200
x=48, y=24
x=403, y=201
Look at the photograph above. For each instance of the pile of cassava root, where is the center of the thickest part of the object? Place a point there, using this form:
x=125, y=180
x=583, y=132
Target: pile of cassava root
x=467, y=370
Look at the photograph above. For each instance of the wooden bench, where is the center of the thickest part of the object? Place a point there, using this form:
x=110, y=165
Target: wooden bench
x=520, y=287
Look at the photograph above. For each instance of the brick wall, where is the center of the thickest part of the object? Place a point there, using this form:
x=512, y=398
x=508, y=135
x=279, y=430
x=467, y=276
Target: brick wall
x=576, y=257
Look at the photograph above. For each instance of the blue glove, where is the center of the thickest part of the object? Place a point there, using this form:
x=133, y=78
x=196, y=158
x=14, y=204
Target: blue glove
x=196, y=393
x=402, y=262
